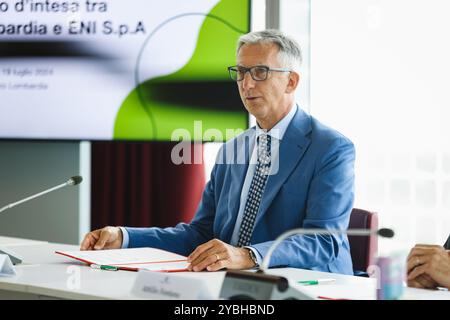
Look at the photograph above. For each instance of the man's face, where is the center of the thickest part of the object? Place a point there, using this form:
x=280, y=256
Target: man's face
x=266, y=99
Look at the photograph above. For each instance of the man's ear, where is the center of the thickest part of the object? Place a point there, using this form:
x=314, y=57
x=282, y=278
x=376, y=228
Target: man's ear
x=294, y=80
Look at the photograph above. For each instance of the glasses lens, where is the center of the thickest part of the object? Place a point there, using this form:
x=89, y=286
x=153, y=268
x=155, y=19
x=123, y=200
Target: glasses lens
x=233, y=73
x=259, y=73
x=241, y=73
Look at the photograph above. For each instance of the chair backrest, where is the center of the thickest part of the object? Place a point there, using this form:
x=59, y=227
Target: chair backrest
x=363, y=249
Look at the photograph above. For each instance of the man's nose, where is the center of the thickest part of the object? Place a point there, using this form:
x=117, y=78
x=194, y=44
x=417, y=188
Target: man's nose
x=248, y=82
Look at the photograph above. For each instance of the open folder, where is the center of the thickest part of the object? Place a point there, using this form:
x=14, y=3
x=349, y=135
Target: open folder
x=132, y=259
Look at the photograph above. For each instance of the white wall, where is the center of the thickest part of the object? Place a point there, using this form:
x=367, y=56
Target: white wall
x=295, y=21
x=380, y=74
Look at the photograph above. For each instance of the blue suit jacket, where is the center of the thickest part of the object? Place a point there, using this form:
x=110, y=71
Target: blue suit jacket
x=314, y=188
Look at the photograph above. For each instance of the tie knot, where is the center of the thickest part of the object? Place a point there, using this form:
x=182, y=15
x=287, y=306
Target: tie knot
x=264, y=141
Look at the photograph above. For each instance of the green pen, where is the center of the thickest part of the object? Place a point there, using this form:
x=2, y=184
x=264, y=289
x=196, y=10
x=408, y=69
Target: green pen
x=104, y=267
x=314, y=282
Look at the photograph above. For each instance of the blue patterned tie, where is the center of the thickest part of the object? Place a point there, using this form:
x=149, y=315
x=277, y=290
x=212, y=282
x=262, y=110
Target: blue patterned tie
x=256, y=190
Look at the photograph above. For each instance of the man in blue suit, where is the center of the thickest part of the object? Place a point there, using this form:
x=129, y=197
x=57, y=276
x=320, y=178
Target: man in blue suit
x=290, y=171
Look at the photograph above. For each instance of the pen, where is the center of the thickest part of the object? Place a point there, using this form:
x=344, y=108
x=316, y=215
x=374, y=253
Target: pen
x=328, y=298
x=104, y=267
x=313, y=282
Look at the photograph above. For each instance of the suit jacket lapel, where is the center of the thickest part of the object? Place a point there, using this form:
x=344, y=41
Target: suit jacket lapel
x=238, y=171
x=292, y=148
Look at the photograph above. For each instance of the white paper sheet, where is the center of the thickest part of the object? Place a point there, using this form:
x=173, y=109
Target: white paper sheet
x=138, y=258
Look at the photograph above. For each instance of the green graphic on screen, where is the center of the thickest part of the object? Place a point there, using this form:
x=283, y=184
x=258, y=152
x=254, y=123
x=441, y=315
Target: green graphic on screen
x=200, y=91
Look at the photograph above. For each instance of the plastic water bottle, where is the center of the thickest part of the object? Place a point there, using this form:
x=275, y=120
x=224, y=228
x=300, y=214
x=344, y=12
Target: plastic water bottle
x=392, y=275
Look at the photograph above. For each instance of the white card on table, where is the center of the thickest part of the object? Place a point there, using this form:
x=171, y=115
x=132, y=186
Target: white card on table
x=6, y=267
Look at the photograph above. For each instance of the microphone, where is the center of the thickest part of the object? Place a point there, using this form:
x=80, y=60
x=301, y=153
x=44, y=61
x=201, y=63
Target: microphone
x=243, y=285
x=15, y=259
x=71, y=182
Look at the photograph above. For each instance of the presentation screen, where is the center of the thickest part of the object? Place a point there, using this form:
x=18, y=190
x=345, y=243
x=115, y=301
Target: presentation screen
x=120, y=69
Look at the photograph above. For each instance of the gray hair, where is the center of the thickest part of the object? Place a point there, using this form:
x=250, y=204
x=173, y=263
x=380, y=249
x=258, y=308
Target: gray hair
x=290, y=53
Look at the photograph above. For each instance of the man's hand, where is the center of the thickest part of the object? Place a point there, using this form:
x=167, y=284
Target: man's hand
x=106, y=238
x=428, y=267
x=423, y=281
x=215, y=255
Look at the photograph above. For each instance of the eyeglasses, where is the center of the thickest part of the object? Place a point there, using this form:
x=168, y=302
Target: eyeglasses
x=258, y=73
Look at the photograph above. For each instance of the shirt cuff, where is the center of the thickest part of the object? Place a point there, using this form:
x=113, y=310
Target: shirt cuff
x=257, y=254
x=125, y=238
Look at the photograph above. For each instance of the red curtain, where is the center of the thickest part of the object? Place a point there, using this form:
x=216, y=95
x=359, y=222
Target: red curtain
x=137, y=184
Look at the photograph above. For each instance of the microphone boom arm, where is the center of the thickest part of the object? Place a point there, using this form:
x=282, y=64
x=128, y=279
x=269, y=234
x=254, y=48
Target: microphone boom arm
x=71, y=182
x=15, y=259
x=303, y=231
x=11, y=205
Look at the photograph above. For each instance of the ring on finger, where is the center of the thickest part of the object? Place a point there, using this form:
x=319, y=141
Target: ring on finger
x=217, y=257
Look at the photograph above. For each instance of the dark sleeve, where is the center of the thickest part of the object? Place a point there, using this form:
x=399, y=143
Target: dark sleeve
x=447, y=244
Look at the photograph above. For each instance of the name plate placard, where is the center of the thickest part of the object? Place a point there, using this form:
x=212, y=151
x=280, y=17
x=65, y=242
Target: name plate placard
x=169, y=286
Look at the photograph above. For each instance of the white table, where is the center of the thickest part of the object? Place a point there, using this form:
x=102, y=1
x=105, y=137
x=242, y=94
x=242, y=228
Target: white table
x=8, y=241
x=46, y=275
